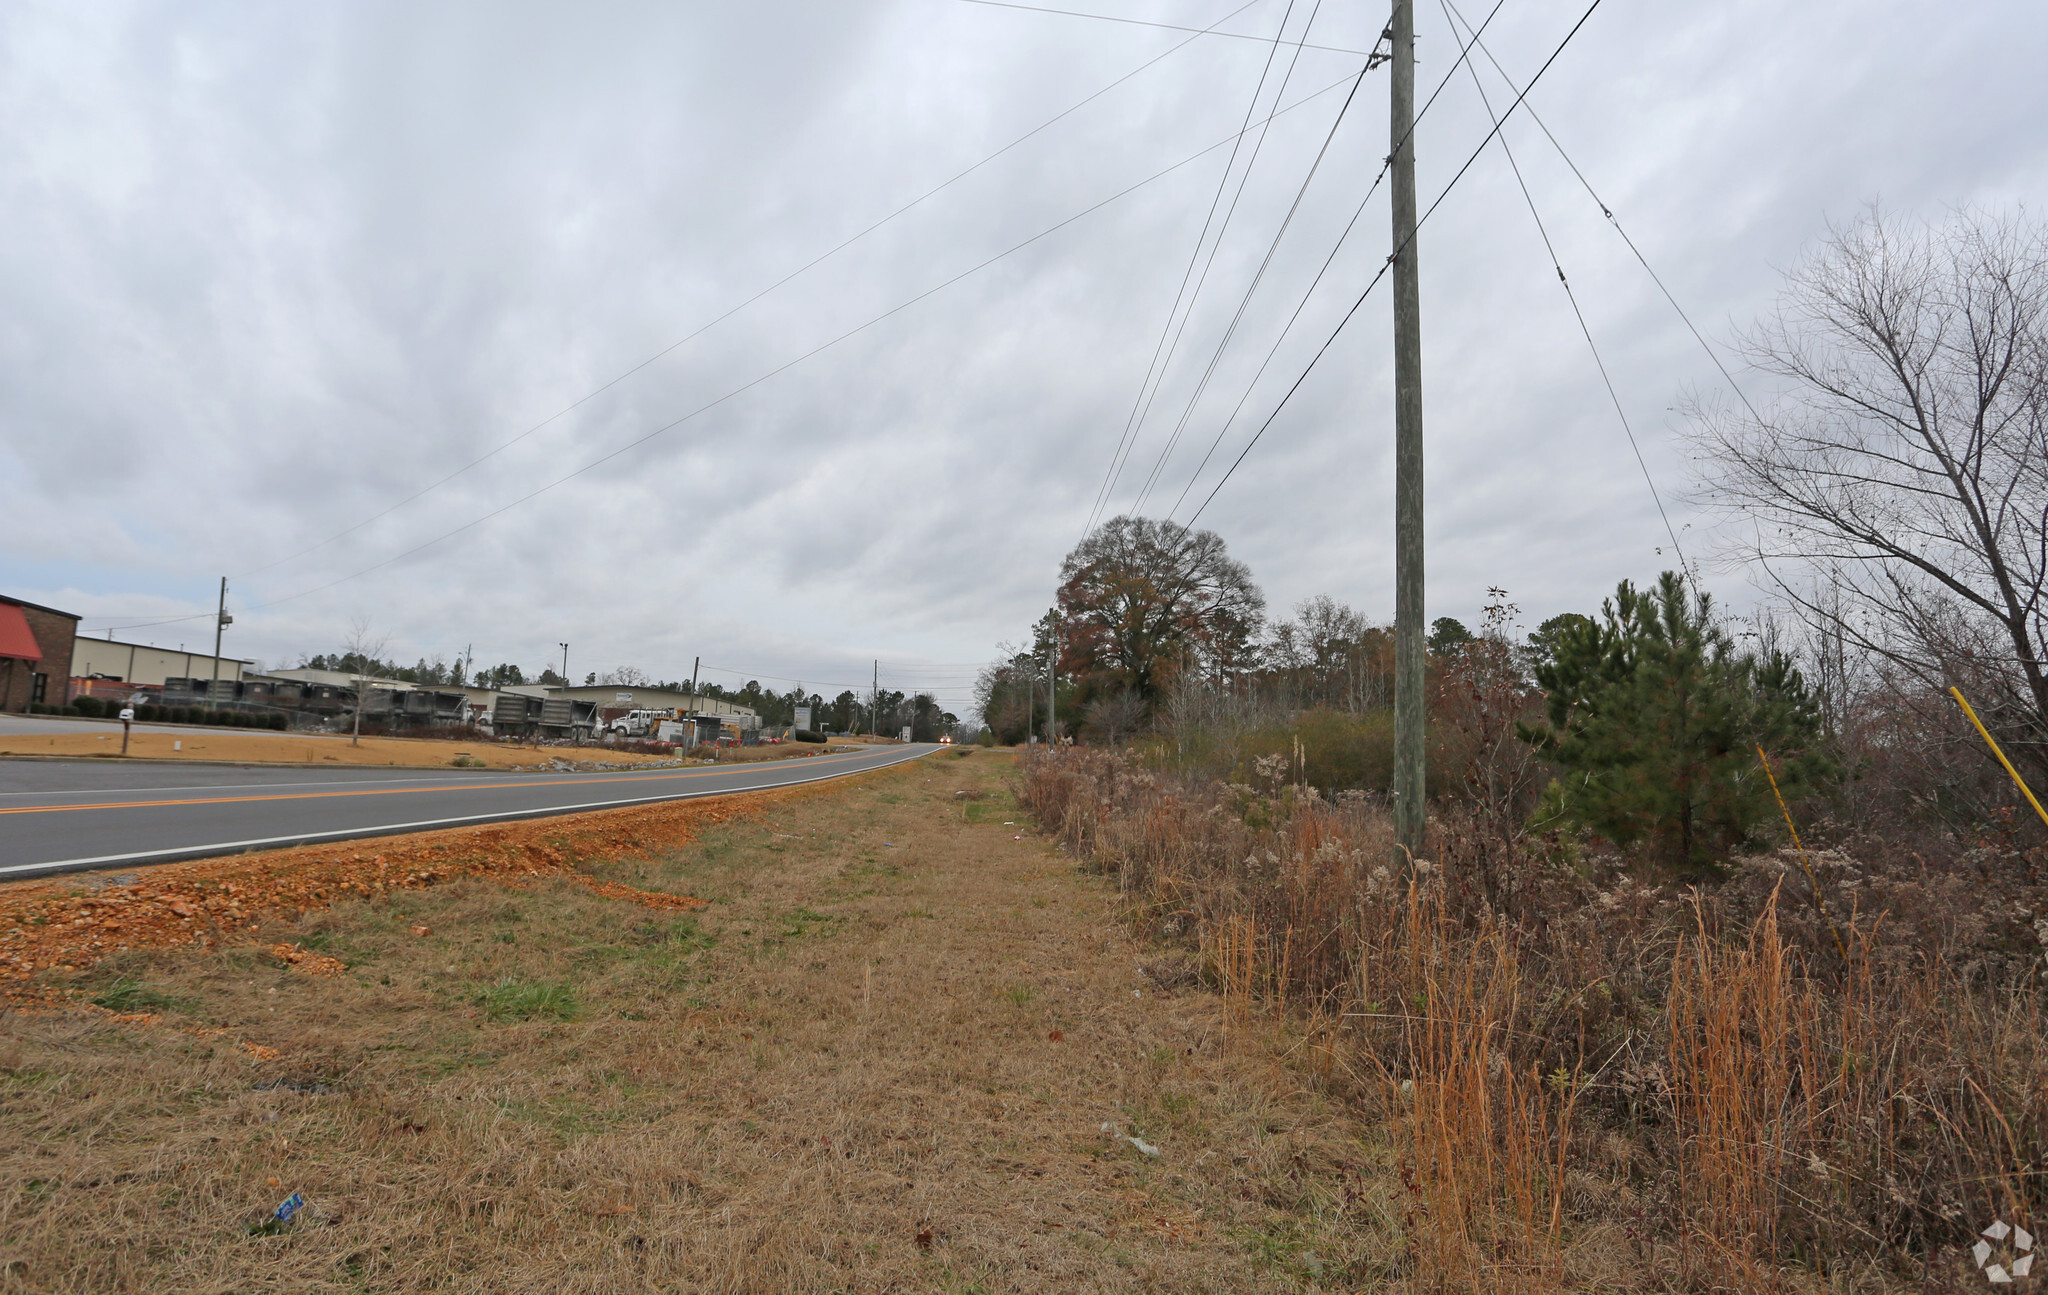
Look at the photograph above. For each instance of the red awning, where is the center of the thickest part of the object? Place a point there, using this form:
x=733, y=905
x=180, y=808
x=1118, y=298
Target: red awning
x=15, y=639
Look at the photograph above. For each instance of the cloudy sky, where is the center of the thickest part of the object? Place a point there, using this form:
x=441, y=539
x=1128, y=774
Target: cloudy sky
x=449, y=319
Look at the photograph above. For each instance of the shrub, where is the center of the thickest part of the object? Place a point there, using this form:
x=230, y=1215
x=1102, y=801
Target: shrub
x=91, y=707
x=279, y=722
x=808, y=735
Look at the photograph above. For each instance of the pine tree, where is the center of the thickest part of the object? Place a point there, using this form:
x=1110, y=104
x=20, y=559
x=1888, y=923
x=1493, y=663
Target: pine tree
x=1655, y=720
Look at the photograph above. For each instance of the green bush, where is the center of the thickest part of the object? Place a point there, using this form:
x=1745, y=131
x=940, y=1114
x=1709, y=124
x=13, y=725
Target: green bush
x=90, y=707
x=808, y=735
x=279, y=722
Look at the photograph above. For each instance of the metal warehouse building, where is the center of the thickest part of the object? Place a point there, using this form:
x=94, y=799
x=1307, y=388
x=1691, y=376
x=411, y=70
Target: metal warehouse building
x=139, y=663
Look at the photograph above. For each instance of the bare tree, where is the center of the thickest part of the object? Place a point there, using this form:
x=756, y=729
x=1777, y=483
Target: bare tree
x=1897, y=489
x=1328, y=656
x=365, y=647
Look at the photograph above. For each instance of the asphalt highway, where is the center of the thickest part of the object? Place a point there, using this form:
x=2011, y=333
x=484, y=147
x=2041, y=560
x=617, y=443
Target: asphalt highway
x=64, y=816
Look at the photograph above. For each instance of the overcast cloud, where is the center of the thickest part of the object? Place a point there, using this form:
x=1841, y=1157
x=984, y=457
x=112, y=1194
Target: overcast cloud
x=270, y=270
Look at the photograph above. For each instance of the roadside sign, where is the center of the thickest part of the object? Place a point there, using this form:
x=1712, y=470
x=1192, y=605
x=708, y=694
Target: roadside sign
x=803, y=717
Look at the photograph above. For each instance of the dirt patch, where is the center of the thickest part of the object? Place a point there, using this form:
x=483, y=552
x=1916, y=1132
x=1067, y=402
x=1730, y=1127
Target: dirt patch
x=900, y=1049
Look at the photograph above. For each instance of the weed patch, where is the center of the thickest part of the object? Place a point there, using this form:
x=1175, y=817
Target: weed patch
x=518, y=1000
x=131, y=995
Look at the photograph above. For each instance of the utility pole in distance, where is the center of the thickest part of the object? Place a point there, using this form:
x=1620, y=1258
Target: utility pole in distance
x=221, y=621
x=696, y=665
x=875, y=703
x=1409, y=720
x=1052, y=681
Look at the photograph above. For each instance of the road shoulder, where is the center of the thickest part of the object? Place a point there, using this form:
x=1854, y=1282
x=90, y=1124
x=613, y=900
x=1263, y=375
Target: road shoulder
x=882, y=1052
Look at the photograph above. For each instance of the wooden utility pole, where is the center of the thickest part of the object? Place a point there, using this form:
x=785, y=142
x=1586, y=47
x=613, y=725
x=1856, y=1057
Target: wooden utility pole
x=696, y=664
x=1409, y=720
x=875, y=704
x=1052, y=680
x=221, y=620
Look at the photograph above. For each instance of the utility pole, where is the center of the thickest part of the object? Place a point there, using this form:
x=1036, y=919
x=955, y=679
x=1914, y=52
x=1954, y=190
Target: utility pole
x=565, y=669
x=1052, y=677
x=221, y=621
x=696, y=665
x=875, y=703
x=1409, y=720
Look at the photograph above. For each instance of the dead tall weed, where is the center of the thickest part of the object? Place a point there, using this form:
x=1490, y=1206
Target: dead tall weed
x=1600, y=1080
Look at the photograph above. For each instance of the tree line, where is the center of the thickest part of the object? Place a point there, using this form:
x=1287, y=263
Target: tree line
x=1892, y=492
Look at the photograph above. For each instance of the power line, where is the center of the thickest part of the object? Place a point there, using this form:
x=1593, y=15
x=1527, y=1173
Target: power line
x=1571, y=296
x=807, y=266
x=788, y=364
x=1202, y=384
x=1307, y=296
x=1166, y=26
x=1141, y=408
x=1615, y=221
x=175, y=620
x=1324, y=349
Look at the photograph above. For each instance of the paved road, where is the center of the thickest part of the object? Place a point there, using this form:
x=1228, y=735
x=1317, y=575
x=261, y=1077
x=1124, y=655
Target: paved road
x=62, y=816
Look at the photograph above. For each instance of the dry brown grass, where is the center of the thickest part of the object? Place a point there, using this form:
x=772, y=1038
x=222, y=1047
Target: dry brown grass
x=880, y=1059
x=1597, y=1083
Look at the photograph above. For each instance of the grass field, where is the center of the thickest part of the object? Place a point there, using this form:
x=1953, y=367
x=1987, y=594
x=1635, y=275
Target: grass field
x=881, y=1057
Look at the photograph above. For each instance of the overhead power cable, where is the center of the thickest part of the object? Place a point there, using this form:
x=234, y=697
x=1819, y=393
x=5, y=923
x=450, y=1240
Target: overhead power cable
x=1615, y=221
x=702, y=409
x=1164, y=26
x=1388, y=263
x=805, y=268
x=175, y=620
x=1571, y=296
x=1209, y=371
x=1156, y=367
x=1385, y=165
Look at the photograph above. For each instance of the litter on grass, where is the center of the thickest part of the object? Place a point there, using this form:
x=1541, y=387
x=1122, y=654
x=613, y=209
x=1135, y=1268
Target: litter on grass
x=1144, y=1147
x=280, y=1219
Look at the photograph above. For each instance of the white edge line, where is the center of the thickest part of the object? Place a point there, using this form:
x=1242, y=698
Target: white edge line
x=393, y=829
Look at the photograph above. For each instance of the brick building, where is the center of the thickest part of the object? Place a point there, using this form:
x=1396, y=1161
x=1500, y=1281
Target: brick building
x=35, y=654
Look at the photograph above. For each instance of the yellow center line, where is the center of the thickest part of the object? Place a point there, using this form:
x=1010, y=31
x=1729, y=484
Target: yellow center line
x=396, y=791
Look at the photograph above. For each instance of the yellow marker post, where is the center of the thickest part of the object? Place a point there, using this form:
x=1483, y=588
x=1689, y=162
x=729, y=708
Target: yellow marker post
x=1811, y=880
x=2018, y=781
